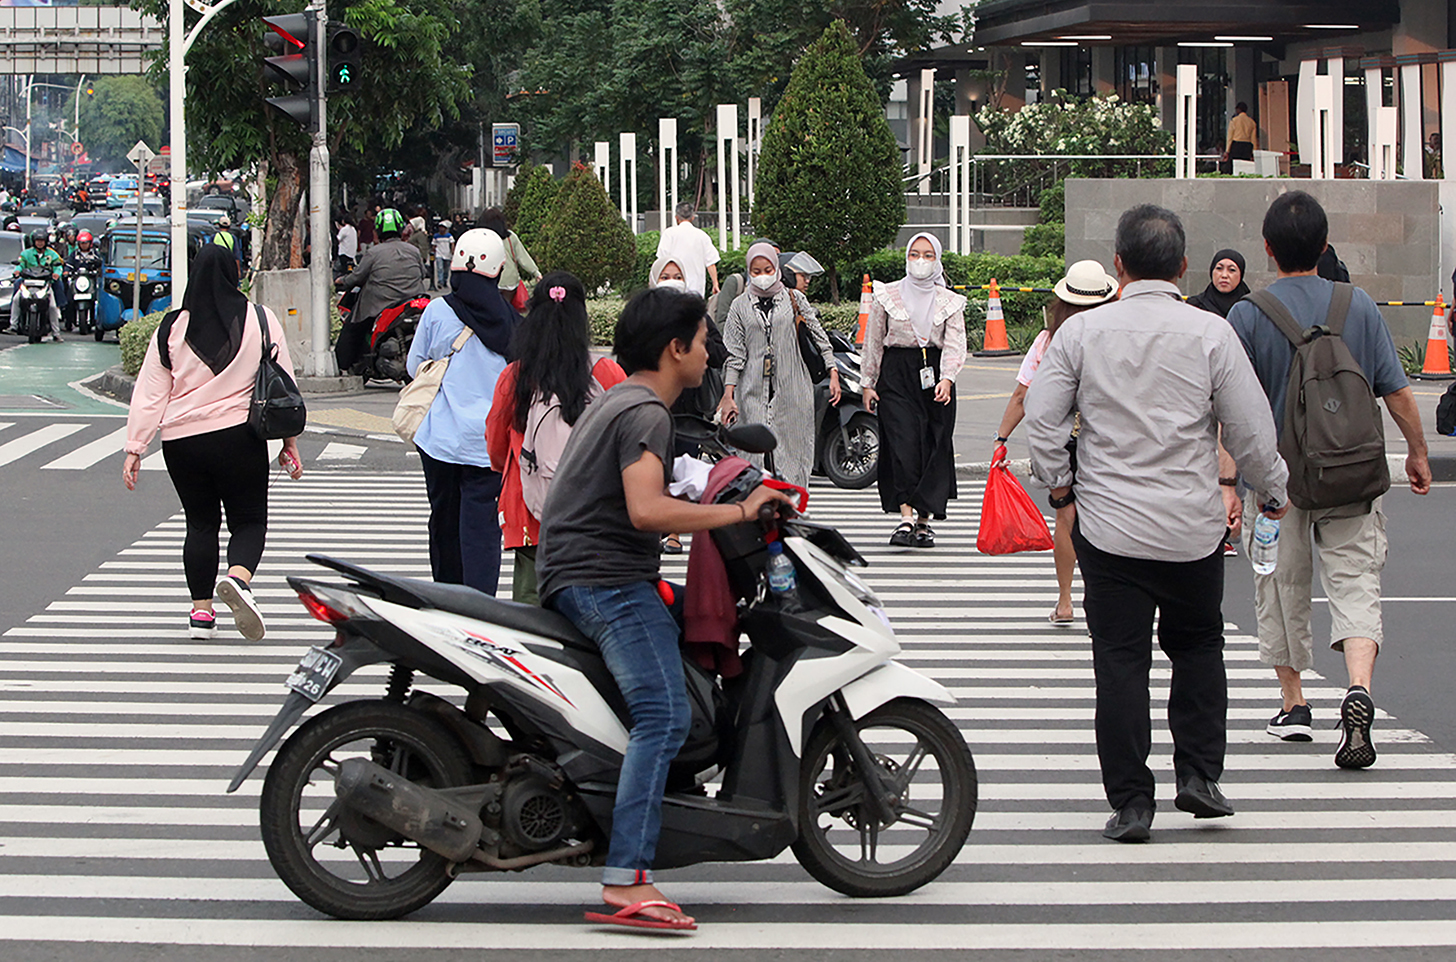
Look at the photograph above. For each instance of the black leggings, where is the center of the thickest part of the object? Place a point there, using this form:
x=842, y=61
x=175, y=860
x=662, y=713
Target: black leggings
x=227, y=468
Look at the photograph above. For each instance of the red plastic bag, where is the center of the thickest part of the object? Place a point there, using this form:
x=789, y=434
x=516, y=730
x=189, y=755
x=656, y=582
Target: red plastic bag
x=521, y=296
x=1010, y=521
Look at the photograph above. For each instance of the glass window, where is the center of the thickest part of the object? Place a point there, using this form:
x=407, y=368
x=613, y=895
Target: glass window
x=1076, y=71
x=1136, y=69
x=123, y=254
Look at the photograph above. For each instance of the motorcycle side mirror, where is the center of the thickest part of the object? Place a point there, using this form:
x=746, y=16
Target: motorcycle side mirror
x=753, y=438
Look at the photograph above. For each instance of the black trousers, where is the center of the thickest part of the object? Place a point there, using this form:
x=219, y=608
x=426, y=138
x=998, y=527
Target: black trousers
x=917, y=450
x=1122, y=596
x=465, y=534
x=220, y=469
x=353, y=344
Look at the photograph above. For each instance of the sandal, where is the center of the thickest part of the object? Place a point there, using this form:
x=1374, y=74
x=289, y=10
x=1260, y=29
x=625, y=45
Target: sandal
x=672, y=544
x=924, y=537
x=1059, y=621
x=904, y=535
x=633, y=916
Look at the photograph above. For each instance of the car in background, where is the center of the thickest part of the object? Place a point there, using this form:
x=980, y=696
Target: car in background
x=95, y=221
x=120, y=190
x=11, y=244
x=234, y=205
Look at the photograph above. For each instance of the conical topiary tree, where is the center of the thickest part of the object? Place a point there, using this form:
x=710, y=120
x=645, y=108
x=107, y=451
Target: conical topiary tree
x=529, y=202
x=587, y=235
x=829, y=179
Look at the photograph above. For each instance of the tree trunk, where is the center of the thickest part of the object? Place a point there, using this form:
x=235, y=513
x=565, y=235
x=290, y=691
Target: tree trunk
x=833, y=284
x=283, y=234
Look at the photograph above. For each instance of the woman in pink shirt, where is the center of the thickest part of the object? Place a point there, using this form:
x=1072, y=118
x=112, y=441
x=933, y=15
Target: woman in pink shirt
x=195, y=385
x=1085, y=286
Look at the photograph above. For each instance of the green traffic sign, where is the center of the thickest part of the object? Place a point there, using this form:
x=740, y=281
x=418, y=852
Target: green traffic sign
x=342, y=75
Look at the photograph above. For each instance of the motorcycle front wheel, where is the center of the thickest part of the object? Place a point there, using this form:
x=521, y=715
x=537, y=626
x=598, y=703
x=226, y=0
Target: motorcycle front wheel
x=333, y=858
x=83, y=321
x=852, y=456
x=38, y=327
x=921, y=756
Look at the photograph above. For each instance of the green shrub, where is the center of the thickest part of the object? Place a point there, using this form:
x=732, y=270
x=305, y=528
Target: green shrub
x=529, y=203
x=1053, y=203
x=1021, y=310
x=601, y=315
x=134, y=338
x=1045, y=240
x=587, y=236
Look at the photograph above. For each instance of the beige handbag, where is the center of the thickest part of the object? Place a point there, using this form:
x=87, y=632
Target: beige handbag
x=417, y=396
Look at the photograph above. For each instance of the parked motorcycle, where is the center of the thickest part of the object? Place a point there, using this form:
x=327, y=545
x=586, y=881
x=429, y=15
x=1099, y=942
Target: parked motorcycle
x=389, y=339
x=30, y=308
x=82, y=283
x=847, y=442
x=825, y=744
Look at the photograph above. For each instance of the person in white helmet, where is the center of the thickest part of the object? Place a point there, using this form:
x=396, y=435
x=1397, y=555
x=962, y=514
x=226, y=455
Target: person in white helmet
x=472, y=326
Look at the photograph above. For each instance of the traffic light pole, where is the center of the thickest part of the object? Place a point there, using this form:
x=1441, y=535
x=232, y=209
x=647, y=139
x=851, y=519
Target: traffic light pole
x=320, y=264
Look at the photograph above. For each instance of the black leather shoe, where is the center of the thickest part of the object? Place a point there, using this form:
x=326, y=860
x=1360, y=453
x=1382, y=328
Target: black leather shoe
x=1132, y=823
x=1201, y=798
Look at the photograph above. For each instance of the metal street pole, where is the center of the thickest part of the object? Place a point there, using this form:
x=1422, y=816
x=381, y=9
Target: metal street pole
x=321, y=287
x=176, y=92
x=136, y=278
x=30, y=79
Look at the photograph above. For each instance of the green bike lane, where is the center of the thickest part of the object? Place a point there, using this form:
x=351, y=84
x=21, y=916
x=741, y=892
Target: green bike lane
x=43, y=378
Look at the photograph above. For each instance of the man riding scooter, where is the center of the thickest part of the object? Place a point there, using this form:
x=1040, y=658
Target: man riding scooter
x=84, y=262
x=40, y=254
x=388, y=273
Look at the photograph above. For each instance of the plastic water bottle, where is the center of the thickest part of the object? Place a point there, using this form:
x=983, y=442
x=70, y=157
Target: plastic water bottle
x=1265, y=553
x=782, y=580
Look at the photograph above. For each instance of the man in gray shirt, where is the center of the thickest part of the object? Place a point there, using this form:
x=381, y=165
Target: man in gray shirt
x=1154, y=380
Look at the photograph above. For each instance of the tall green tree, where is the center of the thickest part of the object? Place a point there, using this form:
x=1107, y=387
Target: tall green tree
x=121, y=111
x=407, y=82
x=587, y=235
x=829, y=180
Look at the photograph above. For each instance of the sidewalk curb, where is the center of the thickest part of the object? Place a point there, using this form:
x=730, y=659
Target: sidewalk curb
x=981, y=470
x=113, y=383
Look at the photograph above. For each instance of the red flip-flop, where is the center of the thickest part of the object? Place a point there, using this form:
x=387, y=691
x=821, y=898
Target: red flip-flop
x=629, y=916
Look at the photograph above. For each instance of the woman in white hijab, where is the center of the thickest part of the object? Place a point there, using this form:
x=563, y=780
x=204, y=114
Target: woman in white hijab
x=915, y=344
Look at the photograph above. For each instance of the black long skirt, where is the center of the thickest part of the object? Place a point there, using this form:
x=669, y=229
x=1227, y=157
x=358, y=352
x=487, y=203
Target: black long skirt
x=917, y=455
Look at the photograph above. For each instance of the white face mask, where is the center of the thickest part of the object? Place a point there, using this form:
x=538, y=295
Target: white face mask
x=673, y=284
x=921, y=269
x=764, y=281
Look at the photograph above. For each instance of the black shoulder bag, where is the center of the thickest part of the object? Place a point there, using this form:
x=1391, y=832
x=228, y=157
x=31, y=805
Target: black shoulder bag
x=808, y=349
x=277, y=411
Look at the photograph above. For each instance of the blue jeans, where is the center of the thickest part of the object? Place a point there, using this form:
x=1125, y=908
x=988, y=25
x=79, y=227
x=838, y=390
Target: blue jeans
x=442, y=271
x=639, y=641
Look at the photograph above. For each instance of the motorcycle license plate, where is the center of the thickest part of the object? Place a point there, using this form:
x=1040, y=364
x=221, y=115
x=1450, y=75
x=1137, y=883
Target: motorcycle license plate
x=314, y=673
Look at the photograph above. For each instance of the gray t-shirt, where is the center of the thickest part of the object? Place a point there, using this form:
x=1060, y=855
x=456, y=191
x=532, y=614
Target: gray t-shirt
x=1308, y=299
x=587, y=536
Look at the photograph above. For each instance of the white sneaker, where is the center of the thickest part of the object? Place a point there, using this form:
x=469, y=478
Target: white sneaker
x=236, y=594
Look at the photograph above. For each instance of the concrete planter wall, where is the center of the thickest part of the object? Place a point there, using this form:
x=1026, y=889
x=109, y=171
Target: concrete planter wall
x=1388, y=233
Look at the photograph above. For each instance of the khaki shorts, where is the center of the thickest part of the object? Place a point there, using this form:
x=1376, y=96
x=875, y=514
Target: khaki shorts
x=1351, y=554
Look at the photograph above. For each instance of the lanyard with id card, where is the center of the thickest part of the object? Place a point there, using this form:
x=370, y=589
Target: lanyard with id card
x=927, y=375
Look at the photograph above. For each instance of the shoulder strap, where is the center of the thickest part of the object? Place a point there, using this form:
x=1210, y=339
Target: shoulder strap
x=460, y=340
x=164, y=338
x=268, y=351
x=1274, y=309
x=794, y=300
x=1339, y=307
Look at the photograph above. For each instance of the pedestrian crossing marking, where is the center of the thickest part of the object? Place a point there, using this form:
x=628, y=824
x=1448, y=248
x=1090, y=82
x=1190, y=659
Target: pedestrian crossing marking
x=117, y=735
x=339, y=451
x=37, y=439
x=90, y=453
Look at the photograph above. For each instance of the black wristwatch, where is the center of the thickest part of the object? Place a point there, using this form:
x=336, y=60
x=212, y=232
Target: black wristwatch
x=998, y=440
x=1060, y=503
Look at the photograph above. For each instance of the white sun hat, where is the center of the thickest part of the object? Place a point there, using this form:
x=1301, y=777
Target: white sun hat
x=1086, y=283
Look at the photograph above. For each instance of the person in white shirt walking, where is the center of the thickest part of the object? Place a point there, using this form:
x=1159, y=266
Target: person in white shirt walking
x=691, y=249
x=347, y=240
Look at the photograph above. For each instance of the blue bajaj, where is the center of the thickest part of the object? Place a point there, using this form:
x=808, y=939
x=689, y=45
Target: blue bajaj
x=120, y=274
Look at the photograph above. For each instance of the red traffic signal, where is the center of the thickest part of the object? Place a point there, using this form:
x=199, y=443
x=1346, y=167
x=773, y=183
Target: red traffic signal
x=296, y=65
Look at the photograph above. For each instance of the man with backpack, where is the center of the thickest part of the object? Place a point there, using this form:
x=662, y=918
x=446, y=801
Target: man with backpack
x=1323, y=354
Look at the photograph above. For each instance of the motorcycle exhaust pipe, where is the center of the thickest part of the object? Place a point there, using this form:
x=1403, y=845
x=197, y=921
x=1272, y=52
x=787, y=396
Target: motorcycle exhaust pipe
x=439, y=823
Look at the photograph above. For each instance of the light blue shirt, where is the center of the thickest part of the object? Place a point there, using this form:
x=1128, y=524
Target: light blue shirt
x=454, y=428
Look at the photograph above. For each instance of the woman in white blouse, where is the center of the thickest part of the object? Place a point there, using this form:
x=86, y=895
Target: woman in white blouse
x=915, y=345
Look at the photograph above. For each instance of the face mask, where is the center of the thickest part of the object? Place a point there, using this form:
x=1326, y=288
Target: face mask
x=764, y=281
x=673, y=284
x=921, y=269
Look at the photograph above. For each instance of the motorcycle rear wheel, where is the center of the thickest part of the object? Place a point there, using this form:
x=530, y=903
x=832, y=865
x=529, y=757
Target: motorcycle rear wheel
x=332, y=858
x=857, y=464
x=841, y=843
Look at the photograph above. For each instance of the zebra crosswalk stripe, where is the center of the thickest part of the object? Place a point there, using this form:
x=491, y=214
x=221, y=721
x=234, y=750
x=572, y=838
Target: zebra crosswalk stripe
x=117, y=736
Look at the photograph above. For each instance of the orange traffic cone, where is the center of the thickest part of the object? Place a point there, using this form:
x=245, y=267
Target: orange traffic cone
x=866, y=293
x=1438, y=360
x=994, y=344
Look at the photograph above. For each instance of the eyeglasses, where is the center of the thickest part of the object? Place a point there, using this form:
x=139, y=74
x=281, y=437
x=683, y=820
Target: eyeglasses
x=918, y=256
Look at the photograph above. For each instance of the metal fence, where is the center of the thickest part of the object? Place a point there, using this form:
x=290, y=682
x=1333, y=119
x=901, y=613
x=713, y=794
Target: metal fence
x=1017, y=180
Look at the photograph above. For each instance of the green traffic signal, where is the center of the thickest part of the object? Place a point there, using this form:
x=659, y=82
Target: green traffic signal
x=343, y=54
x=343, y=76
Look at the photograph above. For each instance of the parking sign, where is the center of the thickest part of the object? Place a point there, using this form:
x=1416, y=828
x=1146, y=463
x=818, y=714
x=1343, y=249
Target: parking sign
x=504, y=139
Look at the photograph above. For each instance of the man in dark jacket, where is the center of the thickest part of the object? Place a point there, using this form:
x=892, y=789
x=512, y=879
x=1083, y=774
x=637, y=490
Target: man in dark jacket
x=388, y=273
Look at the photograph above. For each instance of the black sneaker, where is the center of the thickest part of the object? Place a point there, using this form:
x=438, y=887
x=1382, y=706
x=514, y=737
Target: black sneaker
x=1357, y=715
x=1132, y=823
x=201, y=625
x=235, y=593
x=1293, y=725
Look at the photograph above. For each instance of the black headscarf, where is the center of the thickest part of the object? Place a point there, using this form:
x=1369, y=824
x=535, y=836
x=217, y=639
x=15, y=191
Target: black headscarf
x=476, y=300
x=216, y=309
x=1215, y=300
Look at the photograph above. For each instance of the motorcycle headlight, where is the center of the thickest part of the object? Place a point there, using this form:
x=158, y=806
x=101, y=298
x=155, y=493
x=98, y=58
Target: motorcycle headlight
x=158, y=289
x=83, y=283
x=114, y=287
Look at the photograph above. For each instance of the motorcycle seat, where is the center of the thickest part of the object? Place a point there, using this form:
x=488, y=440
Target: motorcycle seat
x=462, y=600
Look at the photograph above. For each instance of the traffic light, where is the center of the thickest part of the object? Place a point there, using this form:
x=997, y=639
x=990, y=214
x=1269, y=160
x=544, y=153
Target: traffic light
x=343, y=53
x=291, y=37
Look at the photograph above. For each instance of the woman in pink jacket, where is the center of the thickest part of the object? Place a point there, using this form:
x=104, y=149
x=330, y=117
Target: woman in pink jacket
x=195, y=385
